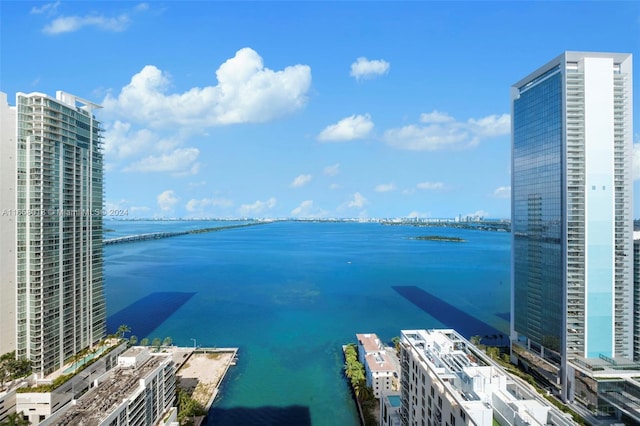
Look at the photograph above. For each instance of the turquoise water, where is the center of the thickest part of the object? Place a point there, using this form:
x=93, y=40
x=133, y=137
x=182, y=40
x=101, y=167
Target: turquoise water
x=289, y=294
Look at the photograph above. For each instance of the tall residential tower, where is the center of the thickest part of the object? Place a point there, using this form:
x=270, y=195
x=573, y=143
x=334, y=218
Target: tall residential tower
x=58, y=242
x=572, y=252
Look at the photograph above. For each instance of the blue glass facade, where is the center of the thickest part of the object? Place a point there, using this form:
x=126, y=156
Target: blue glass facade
x=537, y=211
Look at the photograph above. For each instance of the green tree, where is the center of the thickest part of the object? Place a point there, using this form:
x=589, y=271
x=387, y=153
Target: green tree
x=144, y=342
x=133, y=340
x=475, y=340
x=396, y=343
x=156, y=343
x=167, y=341
x=122, y=330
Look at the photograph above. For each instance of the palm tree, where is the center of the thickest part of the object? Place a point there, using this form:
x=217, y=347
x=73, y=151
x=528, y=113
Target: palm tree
x=144, y=342
x=133, y=340
x=122, y=330
x=167, y=341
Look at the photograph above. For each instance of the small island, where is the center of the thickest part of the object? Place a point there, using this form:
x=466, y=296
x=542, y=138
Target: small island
x=439, y=238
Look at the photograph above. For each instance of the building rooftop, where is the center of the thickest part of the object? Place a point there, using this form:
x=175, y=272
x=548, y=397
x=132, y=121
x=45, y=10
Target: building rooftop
x=380, y=362
x=370, y=342
x=102, y=400
x=475, y=381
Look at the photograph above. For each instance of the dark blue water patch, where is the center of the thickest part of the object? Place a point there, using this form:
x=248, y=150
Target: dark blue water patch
x=146, y=314
x=260, y=416
x=446, y=313
x=504, y=315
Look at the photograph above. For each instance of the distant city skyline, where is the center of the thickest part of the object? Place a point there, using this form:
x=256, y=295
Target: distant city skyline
x=304, y=110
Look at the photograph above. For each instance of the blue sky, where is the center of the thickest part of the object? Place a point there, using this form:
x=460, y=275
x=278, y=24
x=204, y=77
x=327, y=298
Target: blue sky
x=304, y=109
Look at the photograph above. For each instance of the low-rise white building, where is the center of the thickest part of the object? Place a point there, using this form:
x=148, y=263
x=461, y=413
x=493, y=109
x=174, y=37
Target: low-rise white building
x=140, y=391
x=445, y=380
x=381, y=370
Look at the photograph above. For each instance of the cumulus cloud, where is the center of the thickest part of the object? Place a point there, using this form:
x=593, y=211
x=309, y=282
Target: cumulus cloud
x=365, y=68
x=350, y=128
x=257, y=208
x=167, y=200
x=181, y=161
x=440, y=131
x=357, y=201
x=120, y=140
x=430, y=186
x=636, y=161
x=385, y=187
x=300, y=181
x=502, y=192
x=332, y=170
x=416, y=214
x=247, y=92
x=477, y=214
x=308, y=209
x=435, y=117
x=195, y=205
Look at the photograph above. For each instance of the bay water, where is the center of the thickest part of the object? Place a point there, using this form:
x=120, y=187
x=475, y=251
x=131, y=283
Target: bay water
x=290, y=294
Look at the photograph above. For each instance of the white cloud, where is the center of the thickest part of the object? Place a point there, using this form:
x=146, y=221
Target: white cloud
x=430, y=186
x=477, y=214
x=502, y=192
x=257, y=207
x=350, y=128
x=300, y=181
x=246, y=92
x=385, y=187
x=334, y=186
x=357, y=201
x=181, y=161
x=636, y=161
x=364, y=68
x=167, y=200
x=440, y=132
x=435, y=116
x=195, y=205
x=417, y=214
x=490, y=126
x=122, y=142
x=68, y=24
x=48, y=8
x=333, y=170
x=142, y=7
x=308, y=210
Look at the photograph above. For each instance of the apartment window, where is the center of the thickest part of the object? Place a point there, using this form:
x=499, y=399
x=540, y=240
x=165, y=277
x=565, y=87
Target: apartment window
x=439, y=402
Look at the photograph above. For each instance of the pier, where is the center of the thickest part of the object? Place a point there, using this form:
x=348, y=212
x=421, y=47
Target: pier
x=201, y=371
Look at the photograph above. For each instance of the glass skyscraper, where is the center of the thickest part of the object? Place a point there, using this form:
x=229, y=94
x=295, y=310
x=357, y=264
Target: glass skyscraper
x=571, y=210
x=59, y=198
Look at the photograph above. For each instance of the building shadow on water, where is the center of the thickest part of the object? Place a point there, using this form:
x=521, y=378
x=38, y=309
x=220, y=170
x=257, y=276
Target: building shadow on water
x=447, y=314
x=146, y=314
x=260, y=416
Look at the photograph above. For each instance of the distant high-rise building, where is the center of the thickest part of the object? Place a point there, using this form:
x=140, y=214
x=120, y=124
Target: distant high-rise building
x=7, y=226
x=572, y=285
x=57, y=211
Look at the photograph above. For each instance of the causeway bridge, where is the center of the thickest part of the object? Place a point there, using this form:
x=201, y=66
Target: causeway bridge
x=160, y=235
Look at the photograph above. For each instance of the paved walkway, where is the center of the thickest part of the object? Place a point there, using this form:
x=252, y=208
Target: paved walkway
x=202, y=371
